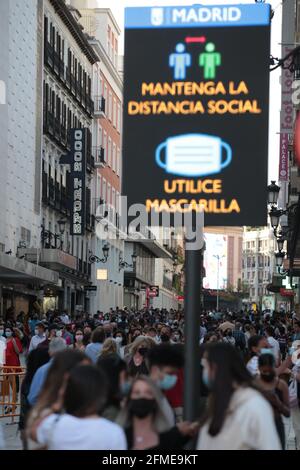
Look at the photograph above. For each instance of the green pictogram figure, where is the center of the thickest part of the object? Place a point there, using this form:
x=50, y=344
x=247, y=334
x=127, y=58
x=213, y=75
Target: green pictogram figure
x=210, y=60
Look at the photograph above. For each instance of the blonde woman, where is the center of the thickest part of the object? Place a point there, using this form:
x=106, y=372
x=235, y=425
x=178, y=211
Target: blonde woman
x=144, y=421
x=109, y=347
x=137, y=356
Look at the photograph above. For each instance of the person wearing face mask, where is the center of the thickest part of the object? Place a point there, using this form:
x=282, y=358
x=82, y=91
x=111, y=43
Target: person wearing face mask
x=2, y=344
x=275, y=390
x=39, y=336
x=13, y=348
x=78, y=344
x=120, y=339
x=137, y=357
x=165, y=334
x=144, y=421
x=256, y=344
x=238, y=417
x=166, y=362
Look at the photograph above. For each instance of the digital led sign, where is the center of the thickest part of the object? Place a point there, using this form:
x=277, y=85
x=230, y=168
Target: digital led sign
x=196, y=106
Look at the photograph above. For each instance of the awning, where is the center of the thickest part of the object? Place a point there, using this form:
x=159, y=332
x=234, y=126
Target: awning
x=19, y=271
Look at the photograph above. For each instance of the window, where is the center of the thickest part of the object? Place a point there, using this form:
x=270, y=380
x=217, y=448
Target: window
x=116, y=52
x=105, y=95
x=104, y=145
x=119, y=118
x=109, y=152
x=117, y=201
x=114, y=158
x=112, y=43
x=115, y=113
x=118, y=162
x=104, y=195
x=25, y=236
x=108, y=39
x=99, y=137
x=110, y=106
x=108, y=193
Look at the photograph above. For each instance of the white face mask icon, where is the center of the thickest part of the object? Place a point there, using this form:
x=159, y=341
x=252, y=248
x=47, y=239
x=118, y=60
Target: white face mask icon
x=193, y=155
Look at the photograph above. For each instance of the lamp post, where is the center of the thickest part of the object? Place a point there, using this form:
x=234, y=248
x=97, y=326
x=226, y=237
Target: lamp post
x=218, y=275
x=96, y=259
x=123, y=264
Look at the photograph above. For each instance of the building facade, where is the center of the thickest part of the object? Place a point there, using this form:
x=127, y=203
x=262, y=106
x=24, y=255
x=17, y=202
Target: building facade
x=67, y=104
x=258, y=263
x=233, y=250
x=103, y=32
x=22, y=282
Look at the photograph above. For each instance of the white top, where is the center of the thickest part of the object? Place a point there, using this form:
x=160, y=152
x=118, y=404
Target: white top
x=249, y=425
x=168, y=411
x=252, y=366
x=67, y=432
x=2, y=351
x=275, y=346
x=35, y=341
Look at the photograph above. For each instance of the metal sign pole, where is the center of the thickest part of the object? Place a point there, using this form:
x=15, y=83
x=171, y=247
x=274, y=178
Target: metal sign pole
x=193, y=273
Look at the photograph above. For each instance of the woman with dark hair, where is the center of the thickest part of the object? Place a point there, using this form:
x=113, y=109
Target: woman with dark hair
x=238, y=416
x=36, y=358
x=256, y=344
x=50, y=398
x=275, y=390
x=118, y=385
x=79, y=426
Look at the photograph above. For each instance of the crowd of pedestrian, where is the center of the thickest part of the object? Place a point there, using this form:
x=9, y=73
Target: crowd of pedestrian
x=115, y=380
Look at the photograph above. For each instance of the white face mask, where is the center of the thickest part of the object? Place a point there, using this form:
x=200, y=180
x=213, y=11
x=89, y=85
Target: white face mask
x=36, y=331
x=1, y=332
x=119, y=339
x=59, y=333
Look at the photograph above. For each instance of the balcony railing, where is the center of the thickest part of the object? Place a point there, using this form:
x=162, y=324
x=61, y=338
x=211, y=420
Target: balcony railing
x=99, y=154
x=99, y=106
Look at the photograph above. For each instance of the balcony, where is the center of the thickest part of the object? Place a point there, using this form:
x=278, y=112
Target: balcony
x=48, y=55
x=65, y=201
x=99, y=107
x=44, y=188
x=51, y=192
x=99, y=154
x=90, y=163
x=51, y=258
x=90, y=222
x=57, y=196
x=89, y=105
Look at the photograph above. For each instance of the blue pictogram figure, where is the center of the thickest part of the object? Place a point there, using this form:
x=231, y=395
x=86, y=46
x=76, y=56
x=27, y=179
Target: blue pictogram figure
x=180, y=60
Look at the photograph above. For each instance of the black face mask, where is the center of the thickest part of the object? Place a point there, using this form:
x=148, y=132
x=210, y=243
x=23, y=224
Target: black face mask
x=141, y=407
x=164, y=338
x=268, y=377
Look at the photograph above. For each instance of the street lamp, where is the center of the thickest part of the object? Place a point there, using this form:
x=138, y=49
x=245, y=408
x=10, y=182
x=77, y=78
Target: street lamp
x=275, y=215
x=279, y=256
x=280, y=243
x=96, y=259
x=218, y=273
x=123, y=264
x=273, y=193
x=61, y=226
